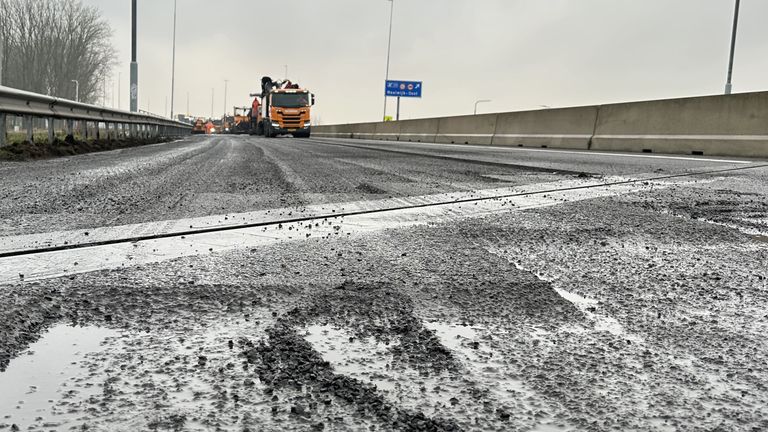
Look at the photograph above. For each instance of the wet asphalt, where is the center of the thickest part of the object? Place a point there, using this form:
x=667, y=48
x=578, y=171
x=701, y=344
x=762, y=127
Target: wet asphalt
x=642, y=311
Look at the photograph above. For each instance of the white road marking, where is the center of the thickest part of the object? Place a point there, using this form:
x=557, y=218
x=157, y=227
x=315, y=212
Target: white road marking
x=443, y=209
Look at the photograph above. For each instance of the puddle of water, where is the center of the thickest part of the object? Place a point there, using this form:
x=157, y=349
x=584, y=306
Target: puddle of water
x=453, y=337
x=45, y=381
x=445, y=394
x=587, y=306
x=603, y=323
x=489, y=371
x=128, y=380
x=363, y=359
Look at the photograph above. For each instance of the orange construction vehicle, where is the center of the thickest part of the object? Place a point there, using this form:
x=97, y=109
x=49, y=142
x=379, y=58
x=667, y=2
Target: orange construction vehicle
x=241, y=122
x=199, y=127
x=284, y=108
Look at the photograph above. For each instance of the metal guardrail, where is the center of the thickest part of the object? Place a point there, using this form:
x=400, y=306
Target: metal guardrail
x=117, y=123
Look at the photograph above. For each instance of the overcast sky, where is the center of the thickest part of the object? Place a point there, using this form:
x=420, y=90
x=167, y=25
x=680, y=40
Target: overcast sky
x=520, y=53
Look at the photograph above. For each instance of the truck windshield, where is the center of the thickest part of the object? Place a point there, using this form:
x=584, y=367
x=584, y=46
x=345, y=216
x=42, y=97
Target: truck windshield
x=290, y=100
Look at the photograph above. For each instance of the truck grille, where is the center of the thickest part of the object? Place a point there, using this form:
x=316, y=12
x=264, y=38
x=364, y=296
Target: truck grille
x=292, y=121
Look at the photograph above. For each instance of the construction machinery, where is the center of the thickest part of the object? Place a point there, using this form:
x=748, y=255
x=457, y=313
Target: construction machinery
x=241, y=122
x=284, y=108
x=199, y=127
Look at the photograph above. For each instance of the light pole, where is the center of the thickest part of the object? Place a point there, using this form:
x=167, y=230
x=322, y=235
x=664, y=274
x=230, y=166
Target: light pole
x=479, y=102
x=389, y=51
x=226, y=84
x=2, y=58
x=77, y=90
x=134, y=92
x=173, y=61
x=729, y=81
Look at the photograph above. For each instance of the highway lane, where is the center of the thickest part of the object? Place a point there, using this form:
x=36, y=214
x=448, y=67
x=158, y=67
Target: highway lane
x=216, y=175
x=565, y=311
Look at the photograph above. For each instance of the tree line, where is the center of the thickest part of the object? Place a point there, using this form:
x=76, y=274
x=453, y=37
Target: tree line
x=46, y=44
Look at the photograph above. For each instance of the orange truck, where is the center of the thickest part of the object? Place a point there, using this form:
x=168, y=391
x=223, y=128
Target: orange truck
x=284, y=109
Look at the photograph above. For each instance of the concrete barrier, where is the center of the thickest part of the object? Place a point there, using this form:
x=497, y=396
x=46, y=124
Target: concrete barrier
x=331, y=131
x=473, y=129
x=388, y=131
x=568, y=128
x=419, y=130
x=364, y=131
x=733, y=125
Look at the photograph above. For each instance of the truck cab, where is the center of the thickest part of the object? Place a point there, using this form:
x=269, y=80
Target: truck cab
x=285, y=109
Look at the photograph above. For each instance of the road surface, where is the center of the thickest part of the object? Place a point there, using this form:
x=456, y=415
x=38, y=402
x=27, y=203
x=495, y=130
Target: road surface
x=239, y=283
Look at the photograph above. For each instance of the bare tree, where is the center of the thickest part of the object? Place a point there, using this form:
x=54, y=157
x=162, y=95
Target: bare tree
x=49, y=43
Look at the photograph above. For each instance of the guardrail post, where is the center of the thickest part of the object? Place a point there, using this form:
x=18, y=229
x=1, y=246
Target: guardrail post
x=70, y=127
x=3, y=128
x=51, y=130
x=30, y=128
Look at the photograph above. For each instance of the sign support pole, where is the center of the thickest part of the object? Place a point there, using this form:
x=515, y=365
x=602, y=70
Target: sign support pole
x=398, y=109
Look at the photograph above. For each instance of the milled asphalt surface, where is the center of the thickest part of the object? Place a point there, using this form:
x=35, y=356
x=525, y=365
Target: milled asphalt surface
x=636, y=312
x=218, y=175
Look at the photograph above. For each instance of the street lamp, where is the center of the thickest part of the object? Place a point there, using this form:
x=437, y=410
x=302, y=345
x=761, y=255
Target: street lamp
x=389, y=50
x=226, y=84
x=77, y=90
x=729, y=82
x=173, y=61
x=479, y=102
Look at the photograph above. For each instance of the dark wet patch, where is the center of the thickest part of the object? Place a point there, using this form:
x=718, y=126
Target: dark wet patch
x=370, y=189
x=25, y=150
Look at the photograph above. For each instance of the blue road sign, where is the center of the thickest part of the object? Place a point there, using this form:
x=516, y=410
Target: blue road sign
x=404, y=88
